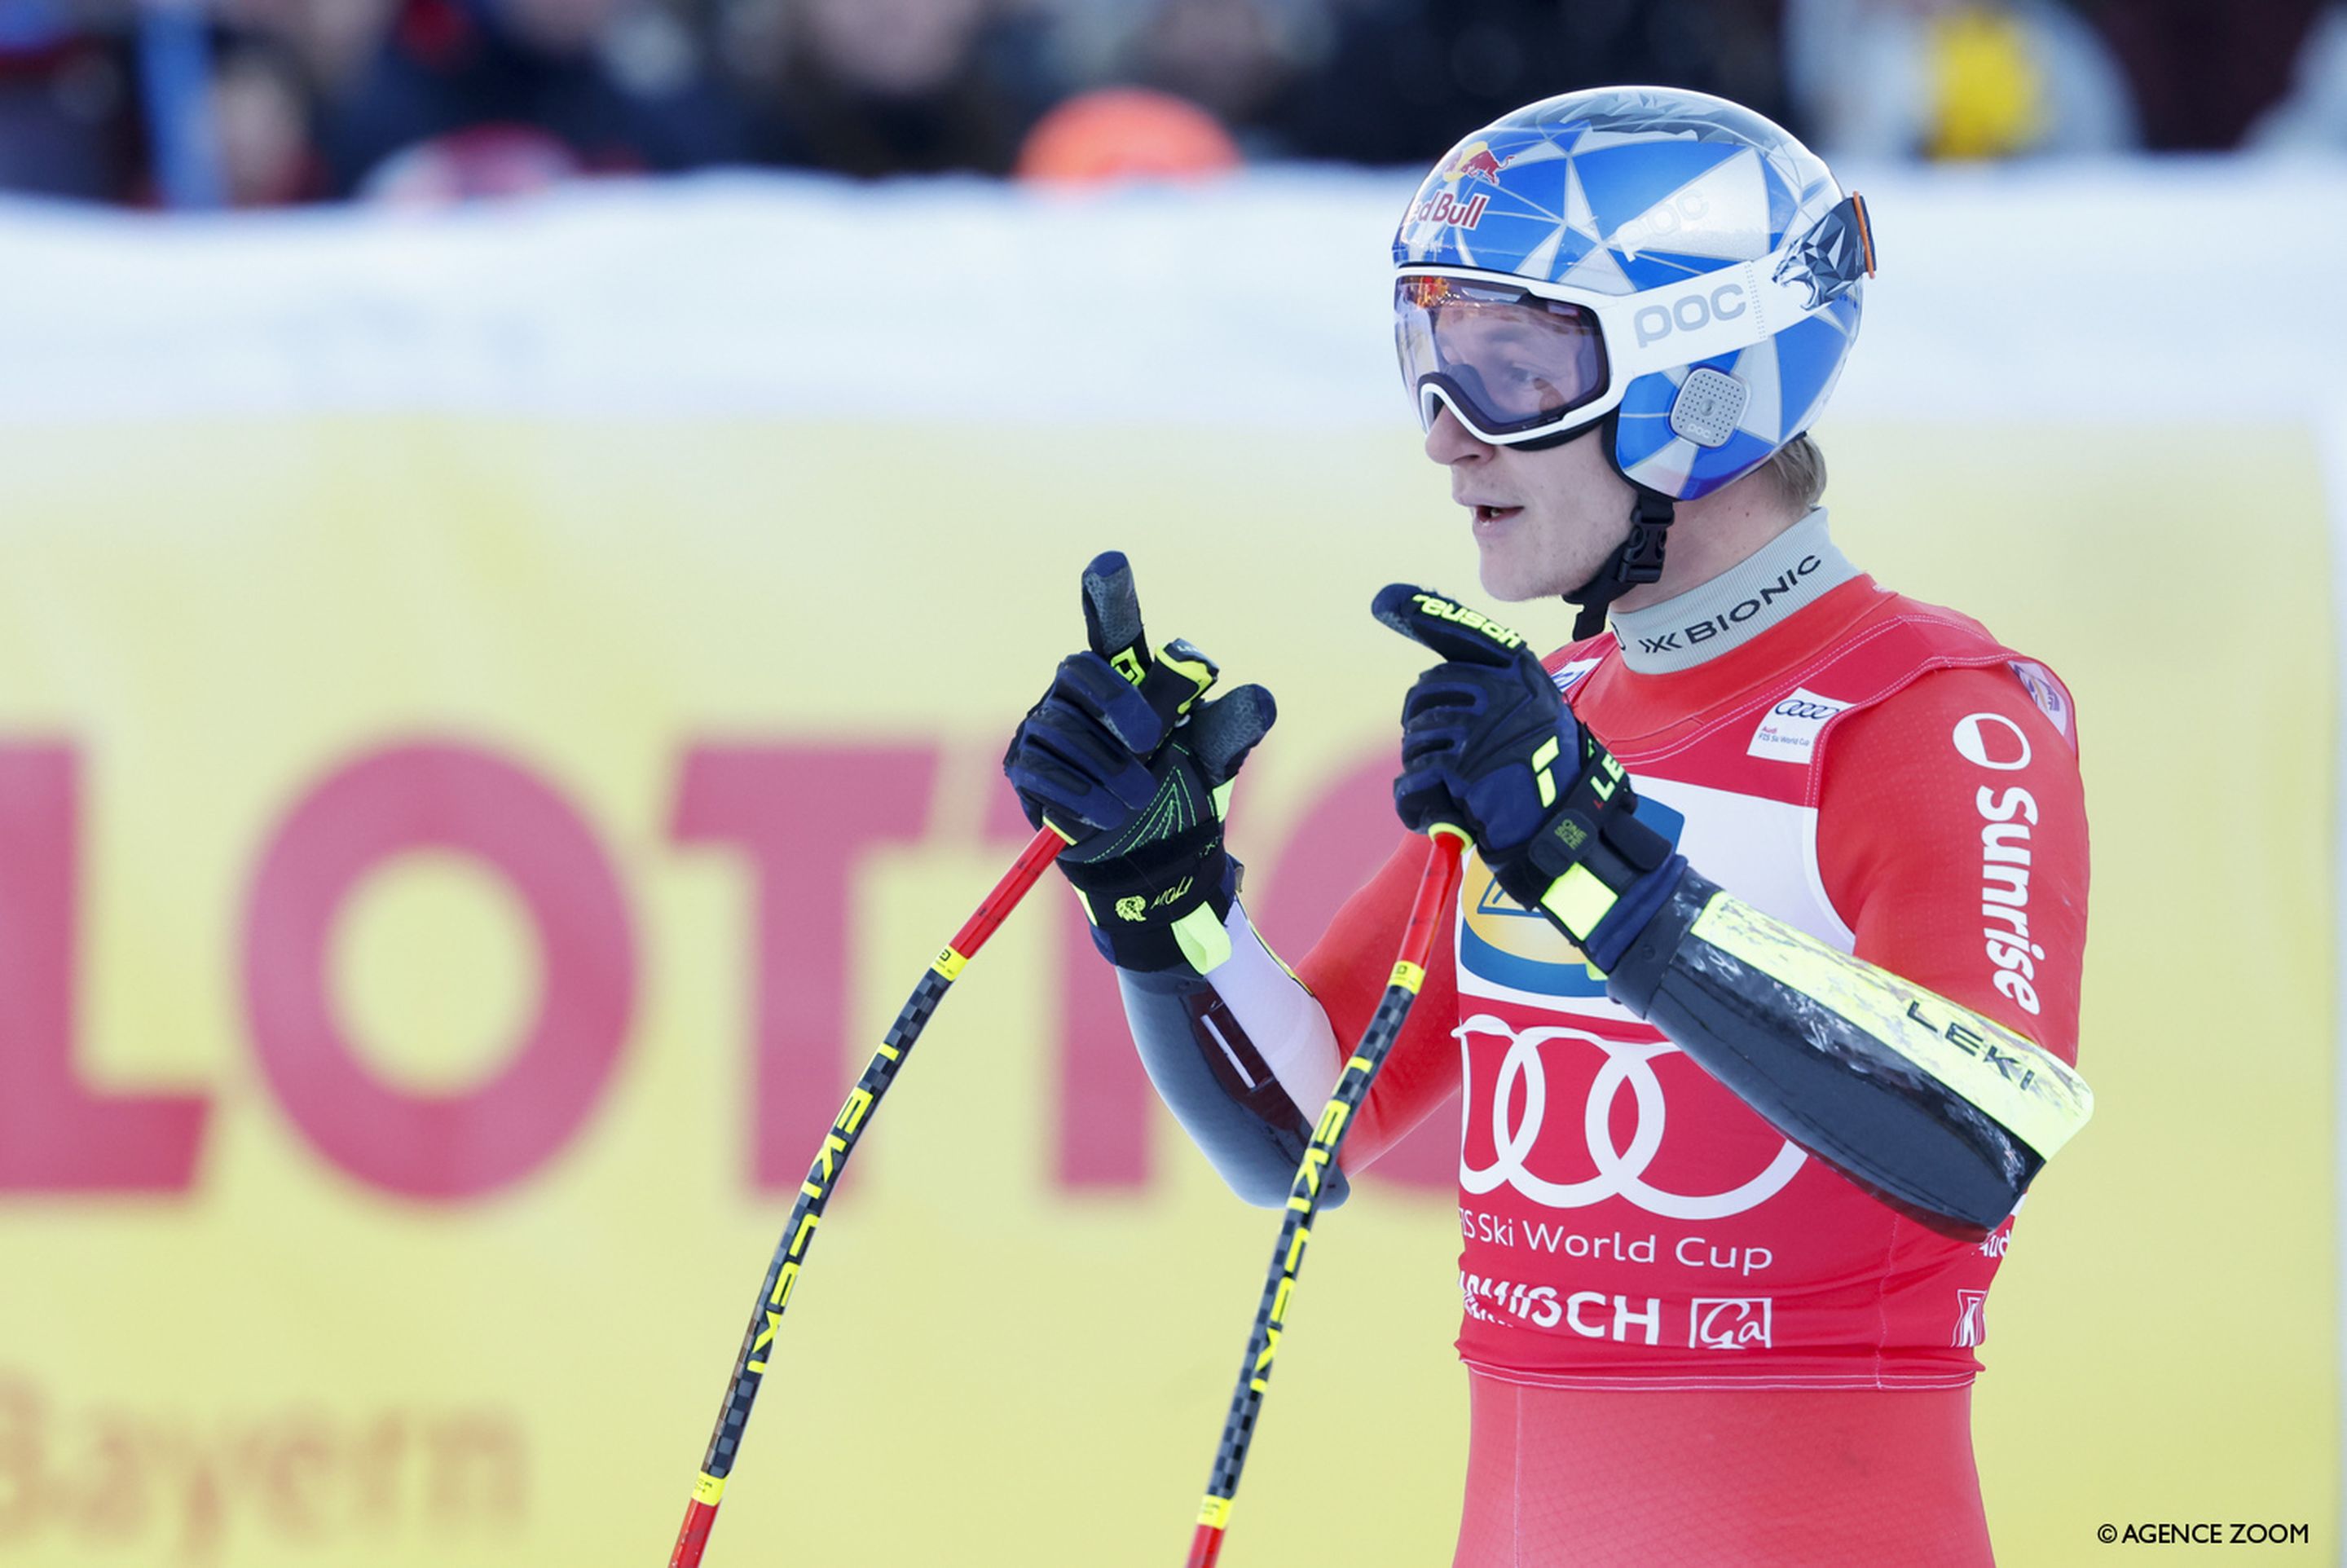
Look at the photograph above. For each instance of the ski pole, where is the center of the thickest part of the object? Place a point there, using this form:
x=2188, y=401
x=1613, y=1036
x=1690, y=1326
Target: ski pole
x=823, y=1176
x=1436, y=887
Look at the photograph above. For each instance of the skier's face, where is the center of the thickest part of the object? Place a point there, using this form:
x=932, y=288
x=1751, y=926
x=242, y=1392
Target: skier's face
x=1544, y=521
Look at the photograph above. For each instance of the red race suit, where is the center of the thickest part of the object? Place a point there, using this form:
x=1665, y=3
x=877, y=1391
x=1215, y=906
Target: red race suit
x=1880, y=774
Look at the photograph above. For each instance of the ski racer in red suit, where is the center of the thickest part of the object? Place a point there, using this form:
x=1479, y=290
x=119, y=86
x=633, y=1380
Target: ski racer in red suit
x=1764, y=987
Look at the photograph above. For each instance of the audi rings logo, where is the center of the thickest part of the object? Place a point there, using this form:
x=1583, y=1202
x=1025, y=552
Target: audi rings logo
x=1621, y=1173
x=1792, y=707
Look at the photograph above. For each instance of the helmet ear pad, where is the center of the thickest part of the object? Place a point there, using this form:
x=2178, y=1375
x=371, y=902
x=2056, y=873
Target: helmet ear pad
x=1779, y=385
x=1652, y=451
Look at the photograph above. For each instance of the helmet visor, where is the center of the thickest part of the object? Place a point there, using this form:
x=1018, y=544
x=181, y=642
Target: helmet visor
x=1508, y=361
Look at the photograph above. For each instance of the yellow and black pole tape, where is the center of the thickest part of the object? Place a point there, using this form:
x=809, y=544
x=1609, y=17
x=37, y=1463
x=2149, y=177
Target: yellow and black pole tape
x=838, y=1142
x=1430, y=912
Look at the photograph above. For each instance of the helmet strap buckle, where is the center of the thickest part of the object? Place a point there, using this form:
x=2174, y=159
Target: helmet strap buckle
x=1641, y=559
x=1638, y=562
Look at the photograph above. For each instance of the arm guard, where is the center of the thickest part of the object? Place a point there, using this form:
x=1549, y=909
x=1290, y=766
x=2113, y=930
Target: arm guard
x=1930, y=1106
x=1233, y=1053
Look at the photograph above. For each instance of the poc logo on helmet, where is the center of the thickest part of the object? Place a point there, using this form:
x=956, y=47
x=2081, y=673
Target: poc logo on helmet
x=1655, y=323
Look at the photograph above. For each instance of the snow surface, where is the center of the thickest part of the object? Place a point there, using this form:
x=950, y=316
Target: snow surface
x=2093, y=291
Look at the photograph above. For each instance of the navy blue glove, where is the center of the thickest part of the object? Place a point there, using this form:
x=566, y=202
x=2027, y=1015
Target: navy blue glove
x=1124, y=758
x=1488, y=744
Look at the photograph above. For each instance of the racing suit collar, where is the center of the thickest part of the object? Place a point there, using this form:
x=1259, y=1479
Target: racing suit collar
x=1791, y=572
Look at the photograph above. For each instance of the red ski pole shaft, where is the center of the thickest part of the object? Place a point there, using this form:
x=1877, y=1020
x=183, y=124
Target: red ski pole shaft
x=839, y=1142
x=1437, y=888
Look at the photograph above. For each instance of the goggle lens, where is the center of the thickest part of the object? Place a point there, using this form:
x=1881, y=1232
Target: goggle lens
x=1509, y=359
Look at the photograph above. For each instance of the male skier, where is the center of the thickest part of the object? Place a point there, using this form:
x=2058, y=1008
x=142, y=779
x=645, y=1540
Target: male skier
x=1764, y=970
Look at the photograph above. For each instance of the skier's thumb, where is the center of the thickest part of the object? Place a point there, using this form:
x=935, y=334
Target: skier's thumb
x=1113, y=615
x=1446, y=626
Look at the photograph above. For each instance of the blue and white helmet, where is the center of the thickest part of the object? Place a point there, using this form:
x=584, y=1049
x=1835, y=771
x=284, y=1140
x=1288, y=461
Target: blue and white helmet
x=1663, y=260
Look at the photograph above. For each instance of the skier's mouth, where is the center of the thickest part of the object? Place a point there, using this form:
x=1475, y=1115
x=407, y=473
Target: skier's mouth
x=1487, y=515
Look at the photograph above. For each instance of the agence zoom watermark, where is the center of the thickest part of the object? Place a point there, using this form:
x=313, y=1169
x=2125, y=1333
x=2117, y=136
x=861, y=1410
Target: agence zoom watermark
x=2206, y=1532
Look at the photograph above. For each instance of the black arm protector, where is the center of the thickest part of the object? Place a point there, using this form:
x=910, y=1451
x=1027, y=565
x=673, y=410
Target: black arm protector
x=1219, y=1087
x=1931, y=1107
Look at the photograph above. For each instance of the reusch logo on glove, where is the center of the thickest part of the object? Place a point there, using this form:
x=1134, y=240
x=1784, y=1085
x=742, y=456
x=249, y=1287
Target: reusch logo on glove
x=1459, y=615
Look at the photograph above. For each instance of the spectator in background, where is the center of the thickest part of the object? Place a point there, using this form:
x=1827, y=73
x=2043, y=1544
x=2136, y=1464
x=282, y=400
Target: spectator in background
x=1954, y=79
x=2202, y=72
x=291, y=100
x=606, y=85
x=1403, y=79
x=334, y=40
x=871, y=88
x=70, y=123
x=261, y=113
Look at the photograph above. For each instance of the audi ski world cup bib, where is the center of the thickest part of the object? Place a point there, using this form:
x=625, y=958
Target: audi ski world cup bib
x=1629, y=1221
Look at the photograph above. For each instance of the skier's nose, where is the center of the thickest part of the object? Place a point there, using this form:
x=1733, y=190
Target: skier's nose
x=1447, y=441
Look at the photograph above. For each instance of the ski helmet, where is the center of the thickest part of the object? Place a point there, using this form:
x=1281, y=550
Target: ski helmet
x=1663, y=266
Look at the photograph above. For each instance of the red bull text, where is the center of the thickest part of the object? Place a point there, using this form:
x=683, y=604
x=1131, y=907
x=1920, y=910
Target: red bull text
x=1446, y=208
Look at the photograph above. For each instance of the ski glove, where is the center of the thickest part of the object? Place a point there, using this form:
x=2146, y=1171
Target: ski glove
x=1124, y=758
x=1489, y=744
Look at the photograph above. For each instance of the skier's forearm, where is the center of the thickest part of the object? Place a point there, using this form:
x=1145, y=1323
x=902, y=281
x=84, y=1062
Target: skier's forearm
x=1237, y=1054
x=1914, y=1097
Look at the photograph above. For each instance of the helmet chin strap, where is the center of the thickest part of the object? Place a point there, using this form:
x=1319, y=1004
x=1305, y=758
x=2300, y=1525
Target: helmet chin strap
x=1639, y=560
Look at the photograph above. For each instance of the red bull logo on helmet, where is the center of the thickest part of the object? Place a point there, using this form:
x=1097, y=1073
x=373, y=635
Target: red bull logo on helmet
x=1474, y=162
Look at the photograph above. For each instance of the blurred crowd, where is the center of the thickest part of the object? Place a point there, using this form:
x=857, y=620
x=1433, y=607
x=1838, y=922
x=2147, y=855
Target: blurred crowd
x=259, y=103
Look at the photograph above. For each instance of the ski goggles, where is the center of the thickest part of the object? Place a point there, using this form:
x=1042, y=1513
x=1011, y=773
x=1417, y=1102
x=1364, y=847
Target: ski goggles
x=1508, y=363
x=1517, y=361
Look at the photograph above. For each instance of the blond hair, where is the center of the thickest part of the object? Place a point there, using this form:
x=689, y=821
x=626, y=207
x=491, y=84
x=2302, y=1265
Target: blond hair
x=1798, y=470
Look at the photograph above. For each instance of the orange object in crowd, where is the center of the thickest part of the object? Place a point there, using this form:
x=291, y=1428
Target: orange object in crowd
x=1125, y=133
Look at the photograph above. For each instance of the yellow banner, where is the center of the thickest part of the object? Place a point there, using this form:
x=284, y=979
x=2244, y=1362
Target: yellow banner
x=450, y=871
